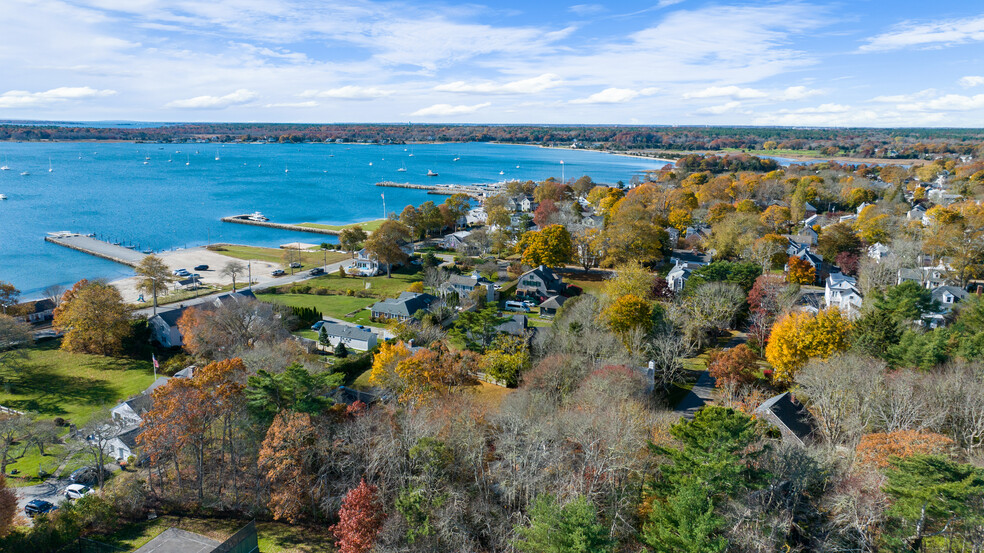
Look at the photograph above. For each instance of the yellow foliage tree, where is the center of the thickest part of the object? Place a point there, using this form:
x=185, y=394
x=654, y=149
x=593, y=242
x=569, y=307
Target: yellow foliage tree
x=551, y=246
x=383, y=373
x=94, y=319
x=798, y=336
x=777, y=218
x=629, y=312
x=417, y=287
x=680, y=219
x=871, y=225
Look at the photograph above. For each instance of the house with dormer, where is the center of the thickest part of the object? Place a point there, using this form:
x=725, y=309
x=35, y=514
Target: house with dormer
x=841, y=291
x=540, y=283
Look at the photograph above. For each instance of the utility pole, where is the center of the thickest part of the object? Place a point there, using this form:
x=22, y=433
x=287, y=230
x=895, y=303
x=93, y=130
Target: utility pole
x=249, y=267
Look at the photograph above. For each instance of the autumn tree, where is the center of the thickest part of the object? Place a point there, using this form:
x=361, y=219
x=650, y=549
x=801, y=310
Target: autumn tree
x=285, y=458
x=8, y=296
x=837, y=238
x=551, y=246
x=359, y=520
x=588, y=247
x=227, y=331
x=384, y=362
x=799, y=271
x=155, y=275
x=733, y=366
x=385, y=244
x=629, y=312
x=777, y=218
x=798, y=336
x=94, y=319
x=878, y=448
x=435, y=370
x=8, y=507
x=351, y=238
x=458, y=206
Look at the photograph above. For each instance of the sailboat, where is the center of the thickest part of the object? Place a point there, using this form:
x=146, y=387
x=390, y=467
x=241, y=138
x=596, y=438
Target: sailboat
x=5, y=167
x=216, y=155
x=189, y=160
x=431, y=173
x=50, y=168
x=402, y=169
x=3, y=197
x=286, y=170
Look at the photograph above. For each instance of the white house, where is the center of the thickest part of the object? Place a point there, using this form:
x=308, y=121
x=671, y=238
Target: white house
x=878, y=251
x=841, y=291
x=124, y=445
x=917, y=213
x=366, y=264
x=947, y=296
x=455, y=240
x=359, y=339
x=132, y=410
x=678, y=275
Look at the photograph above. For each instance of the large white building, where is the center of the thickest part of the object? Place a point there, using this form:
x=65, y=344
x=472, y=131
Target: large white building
x=841, y=292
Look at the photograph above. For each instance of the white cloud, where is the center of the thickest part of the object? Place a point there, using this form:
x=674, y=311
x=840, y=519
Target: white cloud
x=948, y=102
x=308, y=104
x=898, y=98
x=838, y=116
x=932, y=34
x=971, y=81
x=25, y=99
x=615, y=96
x=587, y=9
x=822, y=108
x=723, y=108
x=238, y=97
x=524, y=86
x=348, y=93
x=732, y=91
x=726, y=91
x=448, y=109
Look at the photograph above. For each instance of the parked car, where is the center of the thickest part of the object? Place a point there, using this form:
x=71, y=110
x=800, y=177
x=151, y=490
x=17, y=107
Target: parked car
x=77, y=491
x=517, y=305
x=316, y=271
x=180, y=272
x=86, y=475
x=38, y=507
x=279, y=272
x=317, y=325
x=295, y=265
x=201, y=267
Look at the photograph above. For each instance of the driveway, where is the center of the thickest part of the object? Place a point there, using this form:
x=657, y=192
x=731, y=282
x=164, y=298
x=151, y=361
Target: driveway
x=52, y=491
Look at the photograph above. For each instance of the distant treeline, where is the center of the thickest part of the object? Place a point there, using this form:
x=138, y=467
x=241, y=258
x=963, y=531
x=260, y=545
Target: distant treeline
x=898, y=143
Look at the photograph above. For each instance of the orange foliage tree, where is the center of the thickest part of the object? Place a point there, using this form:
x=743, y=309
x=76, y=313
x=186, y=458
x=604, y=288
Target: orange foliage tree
x=359, y=520
x=878, y=448
x=800, y=271
x=8, y=507
x=735, y=365
x=285, y=459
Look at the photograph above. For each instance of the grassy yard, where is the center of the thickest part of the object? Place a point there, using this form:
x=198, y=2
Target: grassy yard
x=378, y=285
x=333, y=306
x=309, y=258
x=74, y=386
x=591, y=283
x=367, y=226
x=274, y=537
x=182, y=295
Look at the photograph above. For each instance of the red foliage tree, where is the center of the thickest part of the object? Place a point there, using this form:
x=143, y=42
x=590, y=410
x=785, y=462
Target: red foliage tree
x=736, y=365
x=848, y=262
x=359, y=520
x=546, y=210
x=764, y=297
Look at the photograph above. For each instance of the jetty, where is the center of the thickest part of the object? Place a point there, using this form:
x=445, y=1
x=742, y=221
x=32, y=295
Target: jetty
x=245, y=220
x=93, y=246
x=474, y=190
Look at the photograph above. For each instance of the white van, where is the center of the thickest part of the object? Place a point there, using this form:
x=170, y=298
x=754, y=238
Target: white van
x=517, y=305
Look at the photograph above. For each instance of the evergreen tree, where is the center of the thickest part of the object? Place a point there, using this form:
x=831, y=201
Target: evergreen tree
x=685, y=523
x=572, y=528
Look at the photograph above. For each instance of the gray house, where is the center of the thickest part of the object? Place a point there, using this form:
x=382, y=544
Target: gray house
x=359, y=339
x=403, y=307
x=541, y=282
x=164, y=325
x=464, y=285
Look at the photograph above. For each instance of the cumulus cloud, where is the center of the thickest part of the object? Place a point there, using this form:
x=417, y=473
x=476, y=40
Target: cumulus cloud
x=732, y=91
x=523, y=86
x=615, y=96
x=238, y=97
x=448, y=109
x=971, y=81
x=948, y=102
x=926, y=35
x=308, y=104
x=25, y=99
x=723, y=108
x=348, y=93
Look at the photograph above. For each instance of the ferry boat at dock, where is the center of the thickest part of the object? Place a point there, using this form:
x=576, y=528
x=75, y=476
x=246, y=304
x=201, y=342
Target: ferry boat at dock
x=257, y=216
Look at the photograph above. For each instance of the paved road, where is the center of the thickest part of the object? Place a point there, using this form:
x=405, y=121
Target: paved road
x=700, y=395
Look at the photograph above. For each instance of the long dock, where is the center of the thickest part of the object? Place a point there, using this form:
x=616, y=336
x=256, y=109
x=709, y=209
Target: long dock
x=477, y=190
x=244, y=220
x=98, y=248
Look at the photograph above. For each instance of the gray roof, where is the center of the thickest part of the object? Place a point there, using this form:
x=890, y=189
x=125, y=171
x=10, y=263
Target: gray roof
x=553, y=302
x=186, y=372
x=234, y=296
x=170, y=317
x=140, y=403
x=347, y=331
x=162, y=380
x=787, y=414
x=959, y=293
x=129, y=435
x=515, y=326
x=404, y=306
x=545, y=274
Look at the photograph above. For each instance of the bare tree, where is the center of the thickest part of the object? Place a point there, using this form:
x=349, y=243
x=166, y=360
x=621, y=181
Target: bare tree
x=233, y=270
x=840, y=392
x=15, y=337
x=94, y=439
x=12, y=427
x=961, y=393
x=54, y=293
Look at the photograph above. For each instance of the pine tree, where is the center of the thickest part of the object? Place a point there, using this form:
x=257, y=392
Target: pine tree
x=572, y=528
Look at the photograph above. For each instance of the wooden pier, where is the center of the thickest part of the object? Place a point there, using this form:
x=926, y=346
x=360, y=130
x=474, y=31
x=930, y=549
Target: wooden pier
x=98, y=248
x=244, y=220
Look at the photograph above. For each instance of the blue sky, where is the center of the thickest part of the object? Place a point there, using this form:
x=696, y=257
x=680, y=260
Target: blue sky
x=863, y=63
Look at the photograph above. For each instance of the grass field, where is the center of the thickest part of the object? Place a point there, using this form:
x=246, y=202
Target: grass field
x=367, y=226
x=74, y=386
x=274, y=537
x=309, y=259
x=333, y=306
x=378, y=285
x=591, y=283
x=781, y=153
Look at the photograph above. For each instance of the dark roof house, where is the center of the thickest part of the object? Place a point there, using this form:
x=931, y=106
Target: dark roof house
x=789, y=416
x=541, y=282
x=403, y=307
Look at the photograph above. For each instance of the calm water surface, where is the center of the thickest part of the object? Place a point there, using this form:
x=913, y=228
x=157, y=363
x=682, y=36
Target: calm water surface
x=170, y=196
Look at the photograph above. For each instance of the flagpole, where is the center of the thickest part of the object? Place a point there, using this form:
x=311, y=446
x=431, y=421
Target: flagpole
x=383, y=196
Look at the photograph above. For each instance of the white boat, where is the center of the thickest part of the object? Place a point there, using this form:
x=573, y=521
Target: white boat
x=4, y=168
x=502, y=172
x=217, y=156
x=50, y=168
x=286, y=170
x=402, y=169
x=431, y=173
x=189, y=160
x=256, y=216
x=25, y=173
x=370, y=164
x=3, y=196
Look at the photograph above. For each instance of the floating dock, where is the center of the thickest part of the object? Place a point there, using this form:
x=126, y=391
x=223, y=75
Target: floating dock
x=245, y=220
x=98, y=248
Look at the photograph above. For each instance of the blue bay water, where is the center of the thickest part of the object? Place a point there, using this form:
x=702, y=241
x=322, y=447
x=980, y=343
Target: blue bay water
x=107, y=189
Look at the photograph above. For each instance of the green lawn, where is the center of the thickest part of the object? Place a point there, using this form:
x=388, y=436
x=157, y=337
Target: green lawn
x=182, y=295
x=378, y=285
x=309, y=258
x=333, y=306
x=74, y=386
x=368, y=226
x=591, y=283
x=274, y=537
